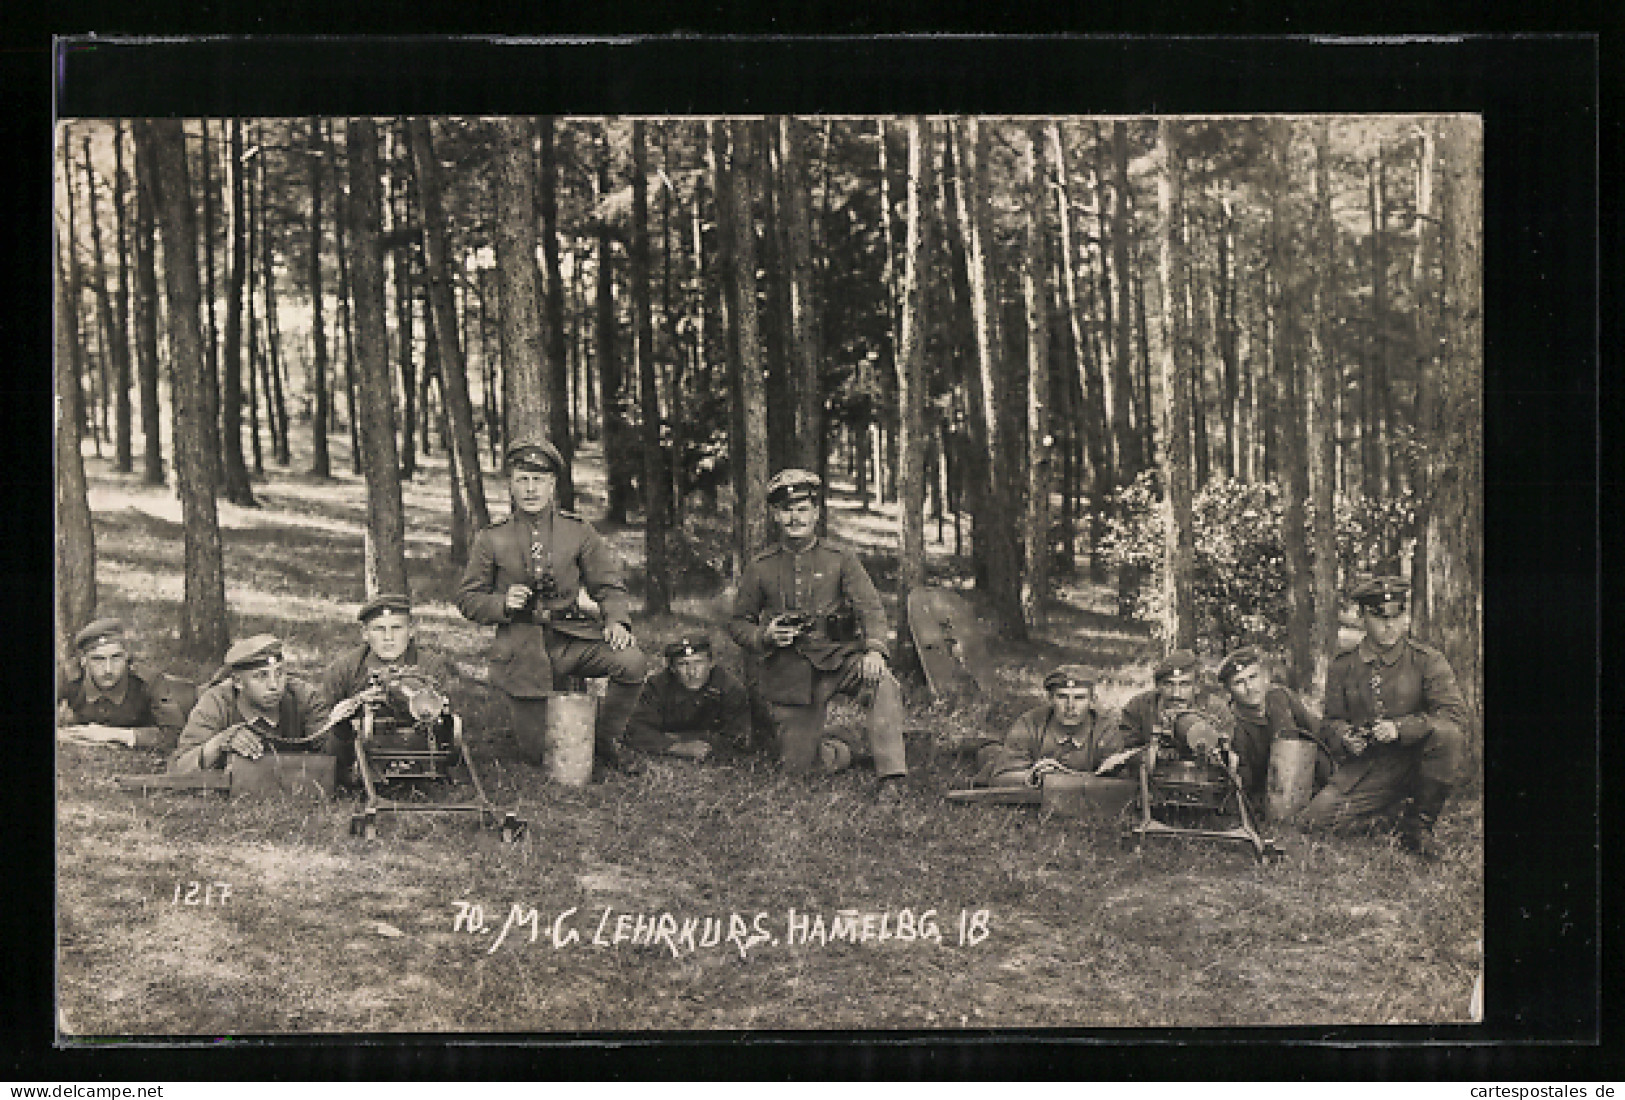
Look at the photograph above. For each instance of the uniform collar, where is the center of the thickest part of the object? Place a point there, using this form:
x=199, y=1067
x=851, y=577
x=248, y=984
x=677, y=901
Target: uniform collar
x=252, y=715
x=784, y=544
x=1369, y=654
x=1077, y=734
x=116, y=697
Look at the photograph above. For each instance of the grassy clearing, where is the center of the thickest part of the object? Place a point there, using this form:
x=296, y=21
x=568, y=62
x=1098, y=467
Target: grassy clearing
x=325, y=934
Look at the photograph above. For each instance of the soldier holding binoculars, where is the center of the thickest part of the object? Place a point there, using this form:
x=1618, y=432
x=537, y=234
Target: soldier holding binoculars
x=524, y=575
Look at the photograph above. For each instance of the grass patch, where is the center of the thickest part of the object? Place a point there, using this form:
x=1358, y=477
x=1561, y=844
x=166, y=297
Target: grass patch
x=323, y=933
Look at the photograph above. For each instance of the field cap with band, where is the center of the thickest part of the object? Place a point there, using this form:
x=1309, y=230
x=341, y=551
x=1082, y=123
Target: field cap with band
x=533, y=453
x=95, y=633
x=1245, y=657
x=1069, y=676
x=1385, y=597
x=1180, y=660
x=260, y=651
x=793, y=485
x=386, y=601
x=688, y=646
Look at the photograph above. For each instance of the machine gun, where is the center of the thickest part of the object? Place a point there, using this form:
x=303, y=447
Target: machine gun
x=406, y=732
x=1194, y=788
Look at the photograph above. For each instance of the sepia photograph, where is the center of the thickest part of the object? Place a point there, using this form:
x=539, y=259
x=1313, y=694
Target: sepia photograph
x=543, y=574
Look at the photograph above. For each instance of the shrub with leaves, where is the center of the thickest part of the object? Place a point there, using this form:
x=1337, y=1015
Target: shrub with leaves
x=1240, y=579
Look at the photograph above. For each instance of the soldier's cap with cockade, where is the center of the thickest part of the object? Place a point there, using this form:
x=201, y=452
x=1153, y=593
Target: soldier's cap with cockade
x=1179, y=660
x=1069, y=676
x=384, y=601
x=688, y=645
x=260, y=651
x=791, y=486
x=1385, y=597
x=95, y=633
x=1245, y=657
x=535, y=453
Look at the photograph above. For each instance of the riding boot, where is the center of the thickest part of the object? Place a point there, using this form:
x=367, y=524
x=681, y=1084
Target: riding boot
x=1416, y=825
x=614, y=712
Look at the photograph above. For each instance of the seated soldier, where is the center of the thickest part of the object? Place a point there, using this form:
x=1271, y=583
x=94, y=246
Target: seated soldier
x=1264, y=712
x=1397, y=718
x=693, y=708
x=256, y=706
x=1067, y=732
x=1157, y=712
x=810, y=611
x=104, y=700
x=388, y=644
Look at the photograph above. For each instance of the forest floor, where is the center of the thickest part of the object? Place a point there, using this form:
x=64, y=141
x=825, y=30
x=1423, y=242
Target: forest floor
x=962, y=917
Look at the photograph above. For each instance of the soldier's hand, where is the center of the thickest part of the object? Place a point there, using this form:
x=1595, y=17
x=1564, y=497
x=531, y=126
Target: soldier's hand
x=65, y=715
x=518, y=597
x=872, y=668
x=618, y=636
x=1354, y=741
x=779, y=633
x=244, y=742
x=1036, y=773
x=1384, y=731
x=343, y=710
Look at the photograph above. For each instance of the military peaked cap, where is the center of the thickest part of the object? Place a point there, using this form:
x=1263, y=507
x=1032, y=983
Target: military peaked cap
x=1245, y=657
x=256, y=652
x=688, y=646
x=1180, y=660
x=1069, y=676
x=386, y=601
x=102, y=630
x=534, y=452
x=1384, y=596
x=792, y=485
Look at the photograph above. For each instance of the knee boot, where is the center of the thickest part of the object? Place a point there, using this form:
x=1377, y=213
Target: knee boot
x=614, y=712
x=1416, y=826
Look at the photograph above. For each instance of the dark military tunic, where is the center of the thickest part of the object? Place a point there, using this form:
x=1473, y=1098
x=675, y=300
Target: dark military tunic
x=1039, y=735
x=1145, y=714
x=667, y=713
x=577, y=557
x=130, y=706
x=817, y=580
x=347, y=675
x=1412, y=686
x=302, y=711
x=1252, y=733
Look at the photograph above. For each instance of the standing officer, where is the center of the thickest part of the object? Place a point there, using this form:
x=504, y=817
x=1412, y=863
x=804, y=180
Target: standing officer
x=693, y=708
x=524, y=575
x=257, y=707
x=811, y=612
x=1393, y=707
x=1067, y=731
x=103, y=699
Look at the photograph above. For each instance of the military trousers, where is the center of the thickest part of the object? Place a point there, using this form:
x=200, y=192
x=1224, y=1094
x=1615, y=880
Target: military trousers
x=1375, y=784
x=588, y=659
x=798, y=730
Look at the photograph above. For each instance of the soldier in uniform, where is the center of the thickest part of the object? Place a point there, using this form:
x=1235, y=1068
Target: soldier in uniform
x=1394, y=712
x=693, y=708
x=524, y=575
x=1068, y=732
x=1172, y=696
x=255, y=706
x=388, y=644
x=810, y=611
x=102, y=699
x=1261, y=713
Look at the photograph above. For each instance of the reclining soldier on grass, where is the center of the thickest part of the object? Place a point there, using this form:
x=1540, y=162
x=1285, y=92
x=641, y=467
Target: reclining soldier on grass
x=252, y=708
x=1168, y=710
x=101, y=699
x=1262, y=713
x=356, y=678
x=1067, y=733
x=693, y=708
x=812, y=614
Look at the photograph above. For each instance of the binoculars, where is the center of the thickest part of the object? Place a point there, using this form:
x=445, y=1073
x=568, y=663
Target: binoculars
x=839, y=625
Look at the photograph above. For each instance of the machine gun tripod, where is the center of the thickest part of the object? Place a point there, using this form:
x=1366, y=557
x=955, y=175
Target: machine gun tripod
x=406, y=732
x=1194, y=790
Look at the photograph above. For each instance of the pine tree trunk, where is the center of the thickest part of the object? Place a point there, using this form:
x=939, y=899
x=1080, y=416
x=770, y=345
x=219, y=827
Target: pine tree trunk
x=107, y=361
x=146, y=336
x=118, y=324
x=1425, y=415
x=1131, y=455
x=211, y=365
x=804, y=321
x=254, y=356
x=321, y=464
x=911, y=365
x=347, y=324
x=1040, y=451
x=75, y=537
x=405, y=308
x=782, y=402
x=525, y=392
x=273, y=334
x=237, y=488
x=617, y=451
x=434, y=366
x=657, y=598
x=734, y=179
x=381, y=463
x=1320, y=457
x=558, y=364
x=1179, y=561
x=76, y=284
x=203, y=611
